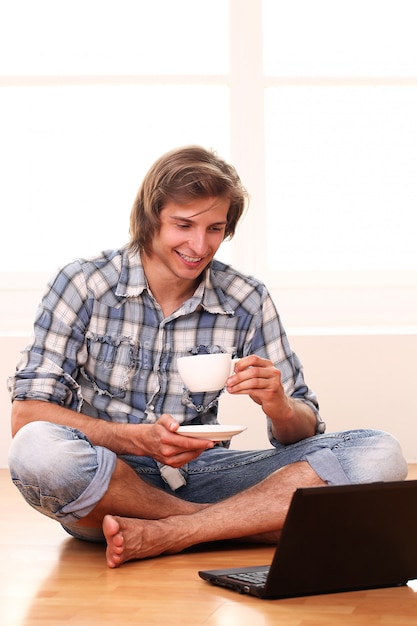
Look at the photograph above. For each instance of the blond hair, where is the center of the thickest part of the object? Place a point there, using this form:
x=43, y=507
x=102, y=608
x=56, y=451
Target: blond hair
x=182, y=175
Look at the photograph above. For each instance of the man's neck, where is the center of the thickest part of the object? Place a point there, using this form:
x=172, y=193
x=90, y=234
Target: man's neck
x=170, y=293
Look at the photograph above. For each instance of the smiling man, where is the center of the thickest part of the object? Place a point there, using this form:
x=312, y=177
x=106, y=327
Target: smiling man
x=97, y=398
x=189, y=236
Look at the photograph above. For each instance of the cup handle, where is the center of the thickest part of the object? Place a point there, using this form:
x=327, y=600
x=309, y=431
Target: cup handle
x=232, y=366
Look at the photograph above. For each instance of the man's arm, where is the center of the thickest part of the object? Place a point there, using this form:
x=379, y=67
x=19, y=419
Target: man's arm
x=158, y=440
x=292, y=419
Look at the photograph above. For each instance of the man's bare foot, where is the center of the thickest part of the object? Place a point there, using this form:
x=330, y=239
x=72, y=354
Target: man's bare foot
x=129, y=538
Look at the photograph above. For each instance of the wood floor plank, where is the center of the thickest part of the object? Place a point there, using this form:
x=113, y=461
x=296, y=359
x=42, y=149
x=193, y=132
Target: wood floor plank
x=49, y=579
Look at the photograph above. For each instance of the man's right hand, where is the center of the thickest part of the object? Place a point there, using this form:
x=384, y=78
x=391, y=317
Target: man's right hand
x=166, y=446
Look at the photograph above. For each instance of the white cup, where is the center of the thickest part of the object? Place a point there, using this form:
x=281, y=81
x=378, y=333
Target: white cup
x=205, y=372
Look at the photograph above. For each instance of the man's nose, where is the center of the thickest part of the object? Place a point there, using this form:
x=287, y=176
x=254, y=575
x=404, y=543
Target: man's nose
x=198, y=243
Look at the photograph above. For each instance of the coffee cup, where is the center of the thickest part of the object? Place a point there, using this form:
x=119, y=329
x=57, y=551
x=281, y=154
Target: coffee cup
x=205, y=372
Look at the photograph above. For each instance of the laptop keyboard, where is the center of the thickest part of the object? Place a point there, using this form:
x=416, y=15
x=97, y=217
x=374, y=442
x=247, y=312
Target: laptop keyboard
x=253, y=578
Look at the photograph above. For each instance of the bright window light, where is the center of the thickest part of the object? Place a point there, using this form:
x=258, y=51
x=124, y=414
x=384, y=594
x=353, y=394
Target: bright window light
x=314, y=102
x=341, y=184
x=343, y=38
x=72, y=159
x=113, y=37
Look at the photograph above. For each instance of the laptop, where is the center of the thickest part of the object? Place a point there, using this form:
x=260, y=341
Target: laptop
x=337, y=538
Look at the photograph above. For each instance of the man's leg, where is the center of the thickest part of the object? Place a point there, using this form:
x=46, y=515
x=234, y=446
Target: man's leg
x=62, y=475
x=78, y=484
x=258, y=511
x=130, y=496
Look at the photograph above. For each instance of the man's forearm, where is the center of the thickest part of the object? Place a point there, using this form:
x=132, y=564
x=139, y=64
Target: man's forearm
x=298, y=423
x=115, y=436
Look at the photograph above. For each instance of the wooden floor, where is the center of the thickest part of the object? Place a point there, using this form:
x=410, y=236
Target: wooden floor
x=48, y=579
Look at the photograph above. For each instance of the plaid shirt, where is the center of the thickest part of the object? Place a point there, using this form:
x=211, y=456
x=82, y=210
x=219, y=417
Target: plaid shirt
x=102, y=346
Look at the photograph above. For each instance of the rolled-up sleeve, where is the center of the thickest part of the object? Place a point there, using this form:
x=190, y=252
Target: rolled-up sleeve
x=48, y=366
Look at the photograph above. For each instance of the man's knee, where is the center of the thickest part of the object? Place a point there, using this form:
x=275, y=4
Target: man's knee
x=389, y=458
x=51, y=465
x=373, y=455
x=41, y=450
x=357, y=456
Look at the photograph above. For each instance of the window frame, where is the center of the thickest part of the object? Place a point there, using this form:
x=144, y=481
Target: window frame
x=308, y=300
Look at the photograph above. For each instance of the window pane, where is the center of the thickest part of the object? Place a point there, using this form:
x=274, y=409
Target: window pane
x=113, y=37
x=341, y=178
x=347, y=37
x=72, y=159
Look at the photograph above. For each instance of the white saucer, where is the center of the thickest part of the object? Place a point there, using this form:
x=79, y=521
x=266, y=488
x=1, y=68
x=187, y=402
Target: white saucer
x=215, y=432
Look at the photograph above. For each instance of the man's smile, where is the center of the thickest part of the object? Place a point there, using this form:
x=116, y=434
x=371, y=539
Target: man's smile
x=189, y=259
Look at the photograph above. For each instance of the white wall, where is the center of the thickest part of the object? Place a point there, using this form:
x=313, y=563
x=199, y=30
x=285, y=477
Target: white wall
x=362, y=381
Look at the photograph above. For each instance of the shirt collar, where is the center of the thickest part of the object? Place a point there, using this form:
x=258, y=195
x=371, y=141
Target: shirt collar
x=132, y=280
x=209, y=294
x=214, y=298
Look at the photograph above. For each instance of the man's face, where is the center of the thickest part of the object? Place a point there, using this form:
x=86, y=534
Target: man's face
x=188, y=238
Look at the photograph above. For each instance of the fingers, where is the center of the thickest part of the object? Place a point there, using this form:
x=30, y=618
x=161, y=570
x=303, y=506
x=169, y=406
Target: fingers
x=174, y=449
x=177, y=456
x=181, y=442
x=168, y=422
x=178, y=460
x=252, y=373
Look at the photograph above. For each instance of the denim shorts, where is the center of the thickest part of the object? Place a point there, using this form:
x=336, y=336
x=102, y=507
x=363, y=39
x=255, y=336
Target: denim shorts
x=63, y=475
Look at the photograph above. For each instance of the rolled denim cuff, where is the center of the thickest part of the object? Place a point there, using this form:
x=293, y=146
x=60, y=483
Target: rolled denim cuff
x=85, y=503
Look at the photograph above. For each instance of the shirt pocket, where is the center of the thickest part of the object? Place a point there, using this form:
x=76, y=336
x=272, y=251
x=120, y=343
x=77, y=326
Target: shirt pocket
x=111, y=363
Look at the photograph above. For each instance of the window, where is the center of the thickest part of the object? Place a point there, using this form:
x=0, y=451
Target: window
x=340, y=171
x=76, y=155
x=341, y=151
x=313, y=102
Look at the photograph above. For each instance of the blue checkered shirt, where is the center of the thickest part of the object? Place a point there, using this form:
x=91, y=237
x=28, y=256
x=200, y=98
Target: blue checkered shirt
x=102, y=345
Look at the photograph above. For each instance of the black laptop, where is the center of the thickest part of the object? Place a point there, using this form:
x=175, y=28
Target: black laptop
x=337, y=538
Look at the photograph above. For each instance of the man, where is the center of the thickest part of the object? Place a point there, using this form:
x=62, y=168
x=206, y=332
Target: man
x=97, y=398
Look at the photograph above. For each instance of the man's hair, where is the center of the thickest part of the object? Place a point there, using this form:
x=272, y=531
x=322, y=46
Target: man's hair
x=182, y=175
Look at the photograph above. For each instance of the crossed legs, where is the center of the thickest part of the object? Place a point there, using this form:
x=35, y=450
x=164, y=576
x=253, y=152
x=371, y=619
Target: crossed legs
x=140, y=521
